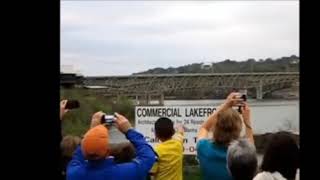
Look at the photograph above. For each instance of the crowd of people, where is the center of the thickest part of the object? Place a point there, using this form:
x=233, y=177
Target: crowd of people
x=222, y=153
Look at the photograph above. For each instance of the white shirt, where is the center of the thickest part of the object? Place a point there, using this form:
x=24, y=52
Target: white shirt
x=269, y=176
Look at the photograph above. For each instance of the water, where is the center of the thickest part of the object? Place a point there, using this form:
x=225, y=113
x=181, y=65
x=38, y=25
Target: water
x=267, y=115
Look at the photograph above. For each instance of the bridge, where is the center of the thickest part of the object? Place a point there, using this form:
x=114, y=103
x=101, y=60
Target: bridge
x=195, y=84
x=70, y=79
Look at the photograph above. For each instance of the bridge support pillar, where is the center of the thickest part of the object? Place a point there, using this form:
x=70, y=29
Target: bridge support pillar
x=148, y=99
x=259, y=91
x=137, y=100
x=161, y=100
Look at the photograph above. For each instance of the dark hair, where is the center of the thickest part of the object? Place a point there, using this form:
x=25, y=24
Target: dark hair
x=282, y=155
x=242, y=160
x=164, y=128
x=123, y=152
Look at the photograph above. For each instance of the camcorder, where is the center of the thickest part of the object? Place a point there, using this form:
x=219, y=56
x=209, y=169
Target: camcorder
x=108, y=120
x=72, y=104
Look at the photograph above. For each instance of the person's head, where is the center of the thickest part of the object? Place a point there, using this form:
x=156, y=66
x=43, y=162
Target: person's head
x=69, y=144
x=122, y=152
x=228, y=127
x=95, y=143
x=164, y=128
x=281, y=155
x=242, y=160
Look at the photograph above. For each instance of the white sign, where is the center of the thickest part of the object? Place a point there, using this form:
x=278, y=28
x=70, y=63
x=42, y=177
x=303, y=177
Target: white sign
x=191, y=117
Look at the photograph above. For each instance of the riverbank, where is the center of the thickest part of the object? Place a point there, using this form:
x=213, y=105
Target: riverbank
x=291, y=93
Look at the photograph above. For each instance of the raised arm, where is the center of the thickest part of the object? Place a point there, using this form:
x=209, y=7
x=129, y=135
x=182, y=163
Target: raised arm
x=232, y=100
x=145, y=155
x=246, y=115
x=179, y=135
x=63, y=109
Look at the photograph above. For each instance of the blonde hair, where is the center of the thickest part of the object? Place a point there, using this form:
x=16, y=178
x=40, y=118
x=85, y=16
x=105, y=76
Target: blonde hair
x=228, y=127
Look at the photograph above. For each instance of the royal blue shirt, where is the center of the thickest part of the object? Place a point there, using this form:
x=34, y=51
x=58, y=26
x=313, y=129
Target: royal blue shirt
x=138, y=169
x=213, y=160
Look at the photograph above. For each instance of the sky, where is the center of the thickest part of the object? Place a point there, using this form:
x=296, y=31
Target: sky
x=105, y=38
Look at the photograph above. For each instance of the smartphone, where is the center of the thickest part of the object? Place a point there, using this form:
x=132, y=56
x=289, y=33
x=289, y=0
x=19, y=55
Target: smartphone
x=108, y=119
x=243, y=96
x=72, y=104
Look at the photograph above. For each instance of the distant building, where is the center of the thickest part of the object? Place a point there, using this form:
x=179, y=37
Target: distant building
x=206, y=66
x=69, y=77
x=295, y=61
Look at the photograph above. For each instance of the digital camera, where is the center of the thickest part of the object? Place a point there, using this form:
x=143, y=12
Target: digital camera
x=108, y=119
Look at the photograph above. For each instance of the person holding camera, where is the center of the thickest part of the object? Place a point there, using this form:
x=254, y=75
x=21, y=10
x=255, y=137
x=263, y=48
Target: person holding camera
x=67, y=105
x=226, y=124
x=92, y=158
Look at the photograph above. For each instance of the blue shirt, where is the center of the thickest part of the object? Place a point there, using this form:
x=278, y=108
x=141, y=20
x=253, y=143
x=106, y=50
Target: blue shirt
x=81, y=169
x=213, y=160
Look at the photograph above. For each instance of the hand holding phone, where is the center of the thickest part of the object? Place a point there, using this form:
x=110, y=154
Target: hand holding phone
x=72, y=104
x=243, y=96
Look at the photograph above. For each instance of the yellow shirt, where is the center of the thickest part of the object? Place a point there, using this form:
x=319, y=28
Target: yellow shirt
x=169, y=164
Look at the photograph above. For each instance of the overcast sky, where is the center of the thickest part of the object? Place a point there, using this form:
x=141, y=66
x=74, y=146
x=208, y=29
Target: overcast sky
x=124, y=37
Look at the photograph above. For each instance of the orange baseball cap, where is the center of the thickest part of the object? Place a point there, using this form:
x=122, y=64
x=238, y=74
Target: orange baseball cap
x=95, y=144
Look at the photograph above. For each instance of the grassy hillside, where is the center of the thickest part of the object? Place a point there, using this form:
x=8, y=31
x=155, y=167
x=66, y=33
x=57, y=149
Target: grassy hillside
x=77, y=121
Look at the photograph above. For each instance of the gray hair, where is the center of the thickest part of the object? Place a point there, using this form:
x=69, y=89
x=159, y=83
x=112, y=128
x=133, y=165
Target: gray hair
x=242, y=159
